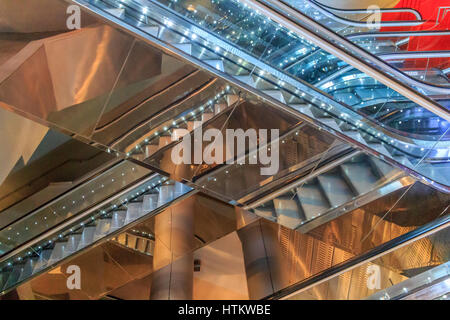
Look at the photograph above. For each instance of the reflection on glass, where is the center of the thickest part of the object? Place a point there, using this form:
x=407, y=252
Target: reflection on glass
x=243, y=46
x=92, y=226
x=300, y=148
x=347, y=185
x=70, y=204
x=392, y=276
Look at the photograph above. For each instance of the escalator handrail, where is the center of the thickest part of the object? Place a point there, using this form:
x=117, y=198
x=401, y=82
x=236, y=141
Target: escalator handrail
x=444, y=89
x=391, y=34
x=407, y=23
x=382, y=70
x=380, y=35
x=78, y=217
x=358, y=11
x=352, y=263
x=415, y=55
x=167, y=47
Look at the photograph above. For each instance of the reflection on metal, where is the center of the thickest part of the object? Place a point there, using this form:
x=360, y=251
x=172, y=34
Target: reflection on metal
x=361, y=260
x=69, y=77
x=174, y=234
x=276, y=257
x=324, y=9
x=103, y=268
x=382, y=279
x=297, y=257
x=137, y=241
x=221, y=277
x=360, y=201
x=425, y=286
x=17, y=144
x=211, y=220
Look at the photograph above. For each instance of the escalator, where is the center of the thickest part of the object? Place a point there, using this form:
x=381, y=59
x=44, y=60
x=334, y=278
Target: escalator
x=244, y=65
x=146, y=197
x=388, y=276
x=260, y=75
x=420, y=154
x=293, y=256
x=330, y=191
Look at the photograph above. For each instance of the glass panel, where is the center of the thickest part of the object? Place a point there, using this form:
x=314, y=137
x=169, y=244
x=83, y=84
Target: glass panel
x=242, y=115
x=70, y=204
x=149, y=196
x=435, y=279
x=248, y=56
x=40, y=165
x=325, y=194
x=296, y=151
x=391, y=276
x=298, y=255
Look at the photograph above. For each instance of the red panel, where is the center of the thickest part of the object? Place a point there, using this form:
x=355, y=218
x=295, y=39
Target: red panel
x=429, y=9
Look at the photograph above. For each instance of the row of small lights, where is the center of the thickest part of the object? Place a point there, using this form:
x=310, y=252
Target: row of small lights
x=343, y=115
x=344, y=118
x=142, y=234
x=399, y=122
x=170, y=24
x=55, y=214
x=360, y=124
x=99, y=214
x=252, y=33
x=192, y=115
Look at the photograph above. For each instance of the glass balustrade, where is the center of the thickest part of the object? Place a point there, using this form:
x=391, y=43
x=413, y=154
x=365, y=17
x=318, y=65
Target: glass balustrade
x=246, y=55
x=394, y=275
x=125, y=208
x=351, y=21
x=384, y=43
x=70, y=204
x=326, y=194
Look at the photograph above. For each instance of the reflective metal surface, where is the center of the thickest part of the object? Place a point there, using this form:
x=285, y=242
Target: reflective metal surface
x=366, y=280
x=210, y=219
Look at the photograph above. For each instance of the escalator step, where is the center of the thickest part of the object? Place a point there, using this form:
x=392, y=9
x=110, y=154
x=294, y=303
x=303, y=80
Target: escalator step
x=360, y=176
x=335, y=188
x=288, y=213
x=312, y=200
